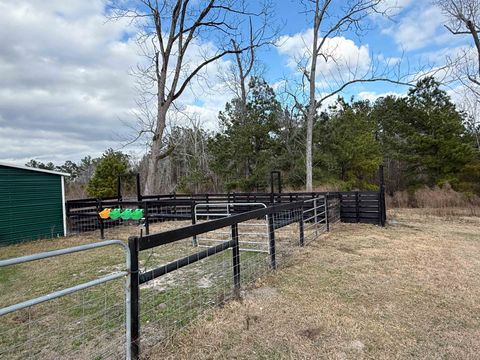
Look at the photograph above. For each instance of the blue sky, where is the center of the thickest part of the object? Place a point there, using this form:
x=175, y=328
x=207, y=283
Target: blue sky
x=65, y=91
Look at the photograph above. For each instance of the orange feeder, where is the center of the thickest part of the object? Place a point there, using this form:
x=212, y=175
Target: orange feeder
x=105, y=213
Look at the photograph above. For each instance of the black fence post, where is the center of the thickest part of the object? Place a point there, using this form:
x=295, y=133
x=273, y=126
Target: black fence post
x=139, y=190
x=236, y=261
x=119, y=189
x=146, y=217
x=271, y=182
x=133, y=246
x=194, y=221
x=100, y=220
x=327, y=210
x=357, y=206
x=271, y=241
x=300, y=228
x=381, y=198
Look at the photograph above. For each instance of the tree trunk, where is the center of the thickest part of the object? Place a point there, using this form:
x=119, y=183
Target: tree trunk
x=309, y=150
x=312, y=105
x=156, y=151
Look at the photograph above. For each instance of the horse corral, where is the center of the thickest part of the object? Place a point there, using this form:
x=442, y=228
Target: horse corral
x=187, y=254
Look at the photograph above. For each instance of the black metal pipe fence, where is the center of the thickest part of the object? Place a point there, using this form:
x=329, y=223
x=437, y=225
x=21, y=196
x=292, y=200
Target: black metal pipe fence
x=238, y=267
x=83, y=215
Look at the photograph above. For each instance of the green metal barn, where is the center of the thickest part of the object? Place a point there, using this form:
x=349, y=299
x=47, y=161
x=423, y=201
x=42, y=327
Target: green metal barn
x=32, y=204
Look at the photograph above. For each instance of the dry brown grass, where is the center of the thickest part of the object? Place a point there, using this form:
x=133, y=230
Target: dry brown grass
x=444, y=199
x=410, y=290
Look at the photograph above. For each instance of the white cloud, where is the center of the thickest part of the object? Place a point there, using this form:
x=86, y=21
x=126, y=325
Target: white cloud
x=391, y=8
x=343, y=58
x=64, y=81
x=420, y=27
x=372, y=95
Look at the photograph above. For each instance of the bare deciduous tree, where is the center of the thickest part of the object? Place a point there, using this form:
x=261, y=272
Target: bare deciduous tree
x=331, y=19
x=176, y=38
x=464, y=18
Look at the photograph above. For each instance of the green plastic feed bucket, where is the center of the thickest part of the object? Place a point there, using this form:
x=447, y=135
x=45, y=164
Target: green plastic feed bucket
x=137, y=214
x=115, y=214
x=126, y=214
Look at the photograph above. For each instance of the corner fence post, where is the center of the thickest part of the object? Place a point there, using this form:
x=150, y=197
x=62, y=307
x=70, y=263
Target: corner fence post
x=382, y=205
x=133, y=245
x=271, y=241
x=236, y=261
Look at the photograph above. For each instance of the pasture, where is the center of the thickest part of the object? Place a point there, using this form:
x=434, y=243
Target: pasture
x=408, y=290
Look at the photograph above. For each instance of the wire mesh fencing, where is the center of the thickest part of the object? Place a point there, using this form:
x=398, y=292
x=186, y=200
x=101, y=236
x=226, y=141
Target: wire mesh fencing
x=171, y=301
x=183, y=269
x=253, y=234
x=333, y=211
x=52, y=306
x=186, y=271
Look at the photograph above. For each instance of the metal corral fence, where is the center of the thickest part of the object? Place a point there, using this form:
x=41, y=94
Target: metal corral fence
x=170, y=295
x=83, y=215
x=168, y=280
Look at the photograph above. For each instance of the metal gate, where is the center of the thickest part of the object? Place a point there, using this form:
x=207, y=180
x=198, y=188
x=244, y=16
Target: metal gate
x=315, y=217
x=37, y=328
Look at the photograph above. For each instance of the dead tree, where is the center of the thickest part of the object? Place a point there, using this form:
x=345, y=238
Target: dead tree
x=328, y=23
x=464, y=18
x=171, y=35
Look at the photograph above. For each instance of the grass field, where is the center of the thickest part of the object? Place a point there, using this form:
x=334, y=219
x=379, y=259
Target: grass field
x=89, y=324
x=409, y=290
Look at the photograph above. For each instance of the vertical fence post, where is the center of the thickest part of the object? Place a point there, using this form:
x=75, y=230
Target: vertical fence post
x=139, y=191
x=271, y=241
x=357, y=207
x=271, y=182
x=279, y=182
x=133, y=245
x=100, y=220
x=145, y=216
x=315, y=219
x=326, y=213
x=381, y=198
x=300, y=228
x=194, y=221
x=236, y=261
x=119, y=189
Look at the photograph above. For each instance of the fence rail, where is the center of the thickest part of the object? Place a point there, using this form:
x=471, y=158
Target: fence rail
x=28, y=348
x=356, y=206
x=170, y=281
x=240, y=267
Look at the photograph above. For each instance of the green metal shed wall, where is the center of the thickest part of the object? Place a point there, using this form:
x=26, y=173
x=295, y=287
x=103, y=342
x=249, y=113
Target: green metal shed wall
x=30, y=205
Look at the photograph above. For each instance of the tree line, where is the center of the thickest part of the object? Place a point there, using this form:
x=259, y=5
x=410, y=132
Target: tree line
x=422, y=139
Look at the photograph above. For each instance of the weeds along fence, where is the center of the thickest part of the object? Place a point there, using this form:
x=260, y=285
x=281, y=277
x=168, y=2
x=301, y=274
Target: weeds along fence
x=83, y=214
x=119, y=308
